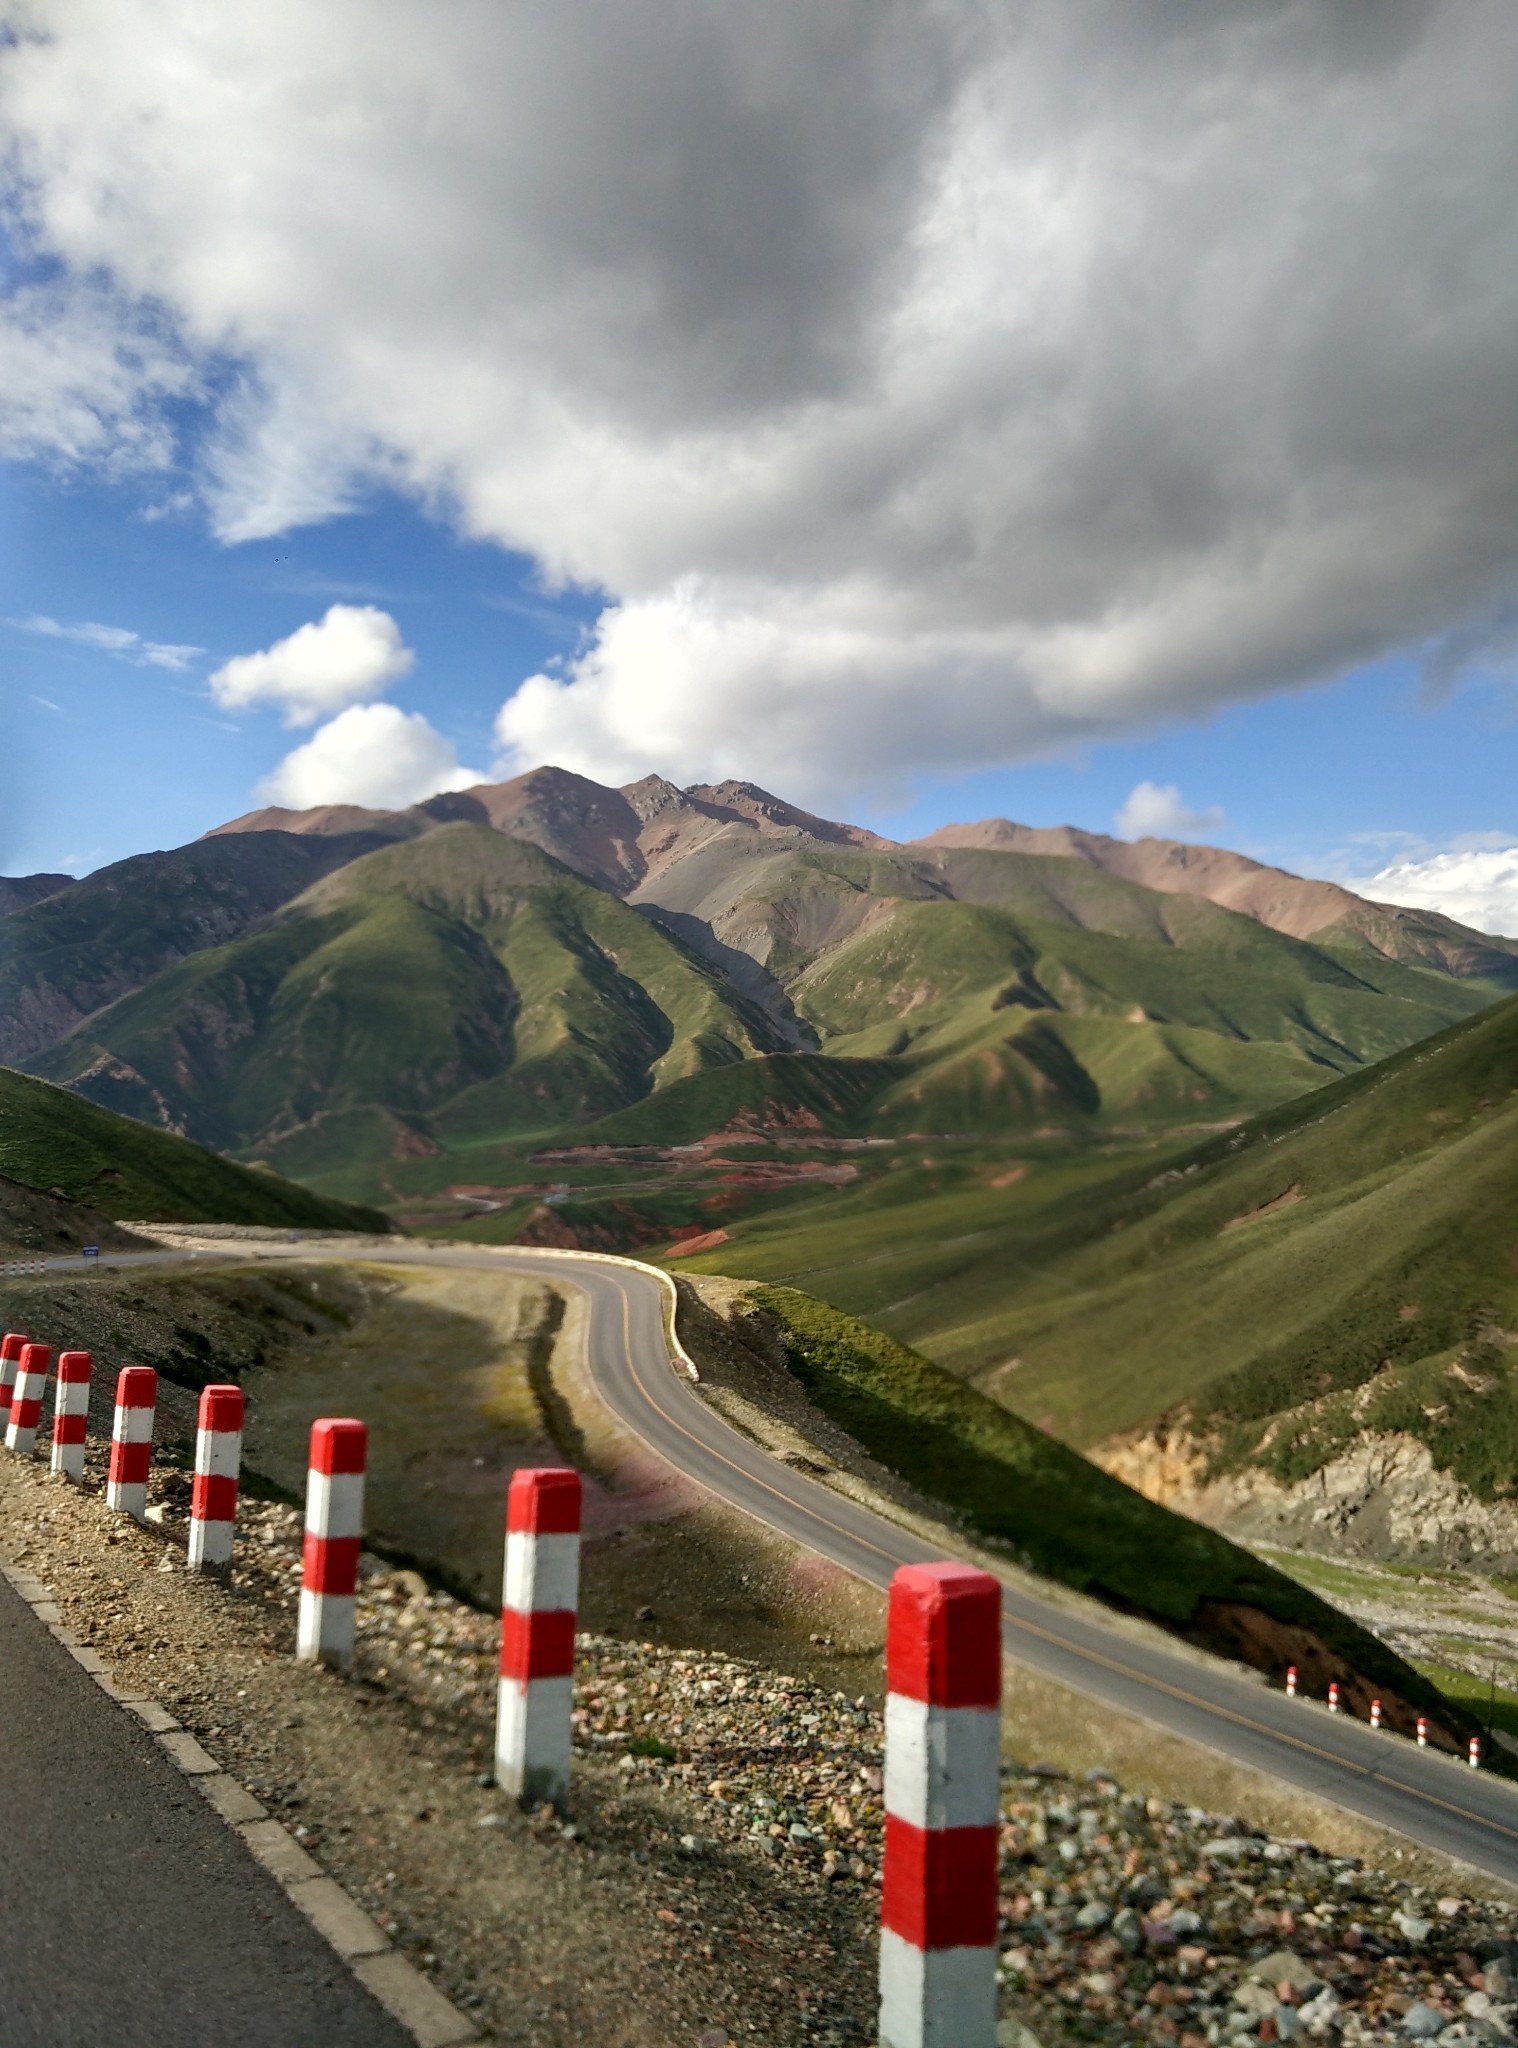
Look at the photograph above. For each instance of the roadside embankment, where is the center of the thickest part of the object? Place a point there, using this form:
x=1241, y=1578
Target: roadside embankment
x=716, y=1880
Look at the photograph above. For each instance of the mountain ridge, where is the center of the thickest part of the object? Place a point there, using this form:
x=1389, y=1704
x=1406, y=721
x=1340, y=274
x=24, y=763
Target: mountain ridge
x=629, y=838
x=341, y=990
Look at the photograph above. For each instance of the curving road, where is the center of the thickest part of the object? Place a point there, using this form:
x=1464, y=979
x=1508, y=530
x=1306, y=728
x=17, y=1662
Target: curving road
x=1420, y=1793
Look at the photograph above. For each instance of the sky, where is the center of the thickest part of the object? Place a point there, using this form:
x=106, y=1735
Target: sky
x=1081, y=411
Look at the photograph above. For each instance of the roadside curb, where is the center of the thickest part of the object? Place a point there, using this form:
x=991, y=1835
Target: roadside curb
x=189, y=1242
x=678, y=1353
x=357, y=1939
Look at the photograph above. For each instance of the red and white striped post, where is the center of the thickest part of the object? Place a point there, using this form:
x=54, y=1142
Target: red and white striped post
x=334, y=1526
x=71, y=1413
x=1333, y=1696
x=942, y=1774
x=11, y=1347
x=1422, y=1732
x=1475, y=1752
x=1291, y=1681
x=126, y=1481
x=1375, y=1713
x=539, y=1600
x=218, y=1456
x=26, y=1399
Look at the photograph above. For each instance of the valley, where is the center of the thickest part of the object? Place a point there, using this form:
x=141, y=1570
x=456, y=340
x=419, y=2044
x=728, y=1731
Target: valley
x=1196, y=1168
x=385, y=1005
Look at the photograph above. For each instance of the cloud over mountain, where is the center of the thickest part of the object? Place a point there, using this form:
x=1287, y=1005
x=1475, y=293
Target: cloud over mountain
x=374, y=754
x=352, y=653
x=1150, y=811
x=924, y=385
x=1476, y=884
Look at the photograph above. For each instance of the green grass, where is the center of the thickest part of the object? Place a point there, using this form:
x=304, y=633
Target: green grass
x=53, y=1140
x=1060, y=1514
x=1476, y=1697
x=464, y=979
x=800, y=1091
x=1108, y=1289
x=110, y=933
x=461, y=989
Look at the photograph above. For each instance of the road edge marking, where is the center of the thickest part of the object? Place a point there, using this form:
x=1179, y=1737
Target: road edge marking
x=412, y=2000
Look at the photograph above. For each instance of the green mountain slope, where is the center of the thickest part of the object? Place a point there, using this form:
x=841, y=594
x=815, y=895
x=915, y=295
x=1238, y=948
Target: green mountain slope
x=460, y=981
x=1345, y=1262
x=1010, y=987
x=389, y=1006
x=1350, y=1261
x=1067, y=1518
x=54, y=1142
x=94, y=941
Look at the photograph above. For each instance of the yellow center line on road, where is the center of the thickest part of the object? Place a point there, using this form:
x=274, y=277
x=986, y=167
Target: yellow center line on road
x=1071, y=1648
x=1128, y=1671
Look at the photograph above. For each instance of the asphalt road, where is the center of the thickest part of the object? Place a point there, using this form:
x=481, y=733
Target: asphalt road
x=1423, y=1795
x=129, y=1912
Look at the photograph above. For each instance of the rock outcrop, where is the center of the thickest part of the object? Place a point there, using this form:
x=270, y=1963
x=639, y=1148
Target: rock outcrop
x=1383, y=1497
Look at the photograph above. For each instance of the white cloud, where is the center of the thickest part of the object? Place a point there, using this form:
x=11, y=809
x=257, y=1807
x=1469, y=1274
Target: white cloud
x=352, y=653
x=118, y=640
x=1475, y=885
x=83, y=373
x=1155, y=811
x=927, y=386
x=372, y=754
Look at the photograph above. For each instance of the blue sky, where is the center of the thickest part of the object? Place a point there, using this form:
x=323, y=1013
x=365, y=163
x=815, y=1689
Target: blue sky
x=110, y=754
x=1095, y=425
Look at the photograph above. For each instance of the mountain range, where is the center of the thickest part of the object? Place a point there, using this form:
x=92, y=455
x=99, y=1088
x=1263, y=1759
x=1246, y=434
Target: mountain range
x=342, y=991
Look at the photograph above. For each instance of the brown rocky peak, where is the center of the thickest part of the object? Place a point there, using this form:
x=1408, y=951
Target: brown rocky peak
x=652, y=797
x=1287, y=903
x=589, y=827
x=325, y=820
x=746, y=801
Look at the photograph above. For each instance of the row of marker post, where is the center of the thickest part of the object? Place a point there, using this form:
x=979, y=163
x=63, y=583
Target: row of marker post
x=943, y=1664
x=943, y=1668
x=1335, y=1702
x=24, y=1368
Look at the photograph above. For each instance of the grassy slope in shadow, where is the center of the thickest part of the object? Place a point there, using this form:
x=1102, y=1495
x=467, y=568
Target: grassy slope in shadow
x=1068, y=1519
x=56, y=1142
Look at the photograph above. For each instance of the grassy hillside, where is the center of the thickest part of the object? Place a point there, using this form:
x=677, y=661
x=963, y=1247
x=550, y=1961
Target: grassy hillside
x=1064, y=1516
x=797, y=1092
x=461, y=981
x=401, y=1012
x=96, y=940
x=53, y=1141
x=1344, y=1262
x=1363, y=1236
x=1014, y=990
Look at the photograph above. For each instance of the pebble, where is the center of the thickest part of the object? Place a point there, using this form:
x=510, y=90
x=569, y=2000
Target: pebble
x=1125, y=1920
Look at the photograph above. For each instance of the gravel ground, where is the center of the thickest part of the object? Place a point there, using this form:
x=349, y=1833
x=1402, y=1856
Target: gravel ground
x=717, y=1880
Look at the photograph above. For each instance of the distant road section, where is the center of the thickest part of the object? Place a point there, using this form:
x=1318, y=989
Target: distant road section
x=1429, y=1798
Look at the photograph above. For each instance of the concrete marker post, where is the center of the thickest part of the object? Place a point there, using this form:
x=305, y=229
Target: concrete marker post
x=942, y=1777
x=1333, y=1696
x=26, y=1399
x=1422, y=1732
x=218, y=1459
x=11, y=1348
x=126, y=1485
x=1375, y=1713
x=539, y=1603
x=334, y=1527
x=1475, y=1752
x=71, y=1414
x=1291, y=1681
